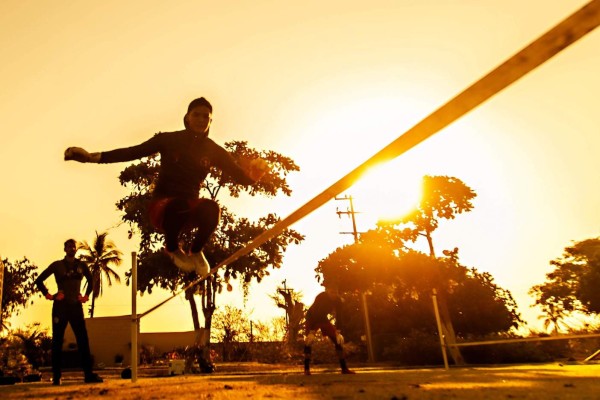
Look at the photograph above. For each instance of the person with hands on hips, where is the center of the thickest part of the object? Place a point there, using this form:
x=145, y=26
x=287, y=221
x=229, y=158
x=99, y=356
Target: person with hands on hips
x=67, y=309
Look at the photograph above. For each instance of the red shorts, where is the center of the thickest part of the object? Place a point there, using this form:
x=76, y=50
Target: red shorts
x=326, y=327
x=156, y=209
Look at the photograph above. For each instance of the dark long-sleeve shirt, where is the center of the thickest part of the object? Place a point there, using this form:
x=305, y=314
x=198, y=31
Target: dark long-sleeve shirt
x=323, y=305
x=68, y=277
x=185, y=161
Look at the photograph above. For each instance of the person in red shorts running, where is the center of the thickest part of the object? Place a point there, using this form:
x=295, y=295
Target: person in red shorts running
x=185, y=160
x=317, y=318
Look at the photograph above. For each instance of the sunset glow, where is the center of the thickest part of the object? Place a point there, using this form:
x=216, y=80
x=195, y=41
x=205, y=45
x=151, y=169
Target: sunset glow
x=326, y=83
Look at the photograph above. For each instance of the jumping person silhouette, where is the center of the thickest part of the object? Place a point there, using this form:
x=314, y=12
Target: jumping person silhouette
x=185, y=160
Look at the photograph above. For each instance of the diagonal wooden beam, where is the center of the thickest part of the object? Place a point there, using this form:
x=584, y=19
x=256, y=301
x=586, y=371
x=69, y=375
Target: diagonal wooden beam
x=567, y=32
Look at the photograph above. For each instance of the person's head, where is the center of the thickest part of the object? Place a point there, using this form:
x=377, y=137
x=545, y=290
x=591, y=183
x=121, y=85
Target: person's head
x=71, y=247
x=198, y=116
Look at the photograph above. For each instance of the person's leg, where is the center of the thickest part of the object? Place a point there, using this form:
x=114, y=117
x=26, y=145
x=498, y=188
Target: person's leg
x=204, y=215
x=77, y=322
x=175, y=217
x=308, y=341
x=171, y=216
x=59, y=324
x=338, y=341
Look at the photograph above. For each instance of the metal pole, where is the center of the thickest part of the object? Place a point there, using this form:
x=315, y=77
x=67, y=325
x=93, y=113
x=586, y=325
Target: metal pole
x=370, y=353
x=287, y=319
x=134, y=318
x=439, y=326
x=1, y=287
x=363, y=296
x=354, y=231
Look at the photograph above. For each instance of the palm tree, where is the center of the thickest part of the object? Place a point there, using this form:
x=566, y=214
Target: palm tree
x=36, y=344
x=554, y=315
x=99, y=257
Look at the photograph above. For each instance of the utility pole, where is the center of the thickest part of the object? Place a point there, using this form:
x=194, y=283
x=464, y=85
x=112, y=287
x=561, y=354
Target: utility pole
x=1, y=286
x=363, y=295
x=287, y=291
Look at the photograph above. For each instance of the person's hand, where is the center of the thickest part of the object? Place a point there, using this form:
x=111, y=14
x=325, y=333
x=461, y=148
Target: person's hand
x=82, y=299
x=81, y=155
x=59, y=296
x=49, y=296
x=257, y=168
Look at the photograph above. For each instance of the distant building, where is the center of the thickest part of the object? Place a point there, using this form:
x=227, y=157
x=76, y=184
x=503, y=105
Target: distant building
x=110, y=340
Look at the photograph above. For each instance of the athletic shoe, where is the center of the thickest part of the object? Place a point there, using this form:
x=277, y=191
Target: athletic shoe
x=56, y=382
x=306, y=372
x=200, y=263
x=93, y=378
x=181, y=260
x=348, y=372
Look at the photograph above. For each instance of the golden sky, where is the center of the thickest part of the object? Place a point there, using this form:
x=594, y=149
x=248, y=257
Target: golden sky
x=327, y=83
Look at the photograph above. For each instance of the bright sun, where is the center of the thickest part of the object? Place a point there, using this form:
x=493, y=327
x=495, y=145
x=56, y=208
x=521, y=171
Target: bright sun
x=386, y=192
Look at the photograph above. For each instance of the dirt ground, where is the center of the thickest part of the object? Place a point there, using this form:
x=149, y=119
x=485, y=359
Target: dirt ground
x=259, y=381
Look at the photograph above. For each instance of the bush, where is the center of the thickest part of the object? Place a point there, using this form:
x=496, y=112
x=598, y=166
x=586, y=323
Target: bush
x=508, y=353
x=421, y=348
x=13, y=362
x=418, y=348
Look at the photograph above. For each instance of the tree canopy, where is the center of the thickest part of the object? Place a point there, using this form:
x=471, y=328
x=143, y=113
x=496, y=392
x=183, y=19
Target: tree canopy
x=401, y=287
x=234, y=232
x=572, y=285
x=401, y=280
x=443, y=197
x=17, y=287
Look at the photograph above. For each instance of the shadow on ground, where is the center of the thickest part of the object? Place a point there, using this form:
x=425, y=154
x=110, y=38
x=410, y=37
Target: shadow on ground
x=256, y=381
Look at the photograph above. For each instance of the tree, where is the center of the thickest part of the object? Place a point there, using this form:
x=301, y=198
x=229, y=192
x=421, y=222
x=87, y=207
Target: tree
x=37, y=344
x=553, y=317
x=401, y=280
x=230, y=325
x=155, y=269
x=17, y=289
x=572, y=286
x=289, y=300
x=271, y=331
x=99, y=258
x=443, y=197
x=401, y=291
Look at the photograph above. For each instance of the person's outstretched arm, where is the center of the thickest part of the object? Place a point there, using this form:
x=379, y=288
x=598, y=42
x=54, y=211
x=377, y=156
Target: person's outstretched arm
x=246, y=172
x=145, y=149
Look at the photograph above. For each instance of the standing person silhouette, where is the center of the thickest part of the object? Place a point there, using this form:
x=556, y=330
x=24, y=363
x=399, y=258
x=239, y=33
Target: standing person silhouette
x=67, y=309
x=317, y=318
x=185, y=160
